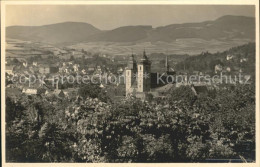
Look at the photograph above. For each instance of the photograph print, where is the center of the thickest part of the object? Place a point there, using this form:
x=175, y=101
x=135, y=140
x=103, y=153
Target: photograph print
x=150, y=83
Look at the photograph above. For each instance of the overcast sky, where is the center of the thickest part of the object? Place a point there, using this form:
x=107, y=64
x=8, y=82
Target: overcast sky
x=112, y=16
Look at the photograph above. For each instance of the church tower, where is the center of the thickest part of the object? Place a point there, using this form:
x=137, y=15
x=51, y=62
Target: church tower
x=130, y=74
x=144, y=74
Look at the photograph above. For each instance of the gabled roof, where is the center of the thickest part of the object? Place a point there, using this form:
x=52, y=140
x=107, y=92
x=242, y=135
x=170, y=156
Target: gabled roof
x=58, y=92
x=200, y=89
x=164, y=88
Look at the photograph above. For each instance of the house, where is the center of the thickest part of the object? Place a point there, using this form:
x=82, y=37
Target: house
x=61, y=69
x=63, y=52
x=91, y=68
x=243, y=60
x=228, y=69
x=230, y=57
x=44, y=69
x=199, y=89
x=163, y=90
x=76, y=67
x=101, y=85
x=56, y=52
x=70, y=91
x=9, y=70
x=10, y=85
x=34, y=91
x=84, y=71
x=77, y=54
x=120, y=70
x=67, y=70
x=59, y=93
x=35, y=63
x=99, y=68
x=29, y=91
x=218, y=68
x=25, y=64
x=47, y=69
x=47, y=92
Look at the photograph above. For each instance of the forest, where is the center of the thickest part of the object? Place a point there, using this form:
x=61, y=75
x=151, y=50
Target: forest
x=85, y=128
x=206, y=61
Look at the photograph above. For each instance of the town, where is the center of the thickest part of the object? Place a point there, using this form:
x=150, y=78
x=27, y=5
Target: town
x=34, y=86
x=48, y=63
x=157, y=83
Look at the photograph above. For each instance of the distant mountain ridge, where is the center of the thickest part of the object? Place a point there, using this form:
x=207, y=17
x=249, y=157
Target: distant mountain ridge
x=224, y=28
x=67, y=32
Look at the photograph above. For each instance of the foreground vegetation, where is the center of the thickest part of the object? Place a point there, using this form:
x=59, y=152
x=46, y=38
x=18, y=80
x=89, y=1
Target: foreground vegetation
x=85, y=128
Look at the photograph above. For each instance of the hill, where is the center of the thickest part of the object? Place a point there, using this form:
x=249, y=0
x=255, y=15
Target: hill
x=60, y=33
x=225, y=28
x=122, y=34
x=205, y=62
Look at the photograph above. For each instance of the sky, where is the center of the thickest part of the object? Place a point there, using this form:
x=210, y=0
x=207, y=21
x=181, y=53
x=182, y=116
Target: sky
x=106, y=17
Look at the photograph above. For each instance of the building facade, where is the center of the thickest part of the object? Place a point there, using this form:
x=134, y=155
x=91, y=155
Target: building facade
x=138, y=79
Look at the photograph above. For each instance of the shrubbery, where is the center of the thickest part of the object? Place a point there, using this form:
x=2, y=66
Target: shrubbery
x=86, y=129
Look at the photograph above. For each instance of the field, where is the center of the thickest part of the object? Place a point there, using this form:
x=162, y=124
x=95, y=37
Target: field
x=190, y=46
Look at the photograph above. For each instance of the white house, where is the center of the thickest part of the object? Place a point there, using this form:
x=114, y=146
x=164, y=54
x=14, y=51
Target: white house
x=84, y=71
x=228, y=69
x=29, y=91
x=230, y=57
x=25, y=64
x=59, y=93
x=243, y=60
x=76, y=67
x=35, y=63
x=218, y=68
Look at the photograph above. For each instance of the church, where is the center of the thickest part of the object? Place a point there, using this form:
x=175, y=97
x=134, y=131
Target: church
x=140, y=81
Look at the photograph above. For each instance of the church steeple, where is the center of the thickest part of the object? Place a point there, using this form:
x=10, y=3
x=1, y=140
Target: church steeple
x=145, y=59
x=144, y=71
x=132, y=63
x=144, y=55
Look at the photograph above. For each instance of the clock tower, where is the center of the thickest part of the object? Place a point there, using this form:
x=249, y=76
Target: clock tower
x=144, y=74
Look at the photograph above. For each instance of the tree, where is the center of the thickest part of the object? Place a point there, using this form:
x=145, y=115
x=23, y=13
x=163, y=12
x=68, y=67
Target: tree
x=72, y=58
x=86, y=129
x=13, y=110
x=16, y=61
x=36, y=134
x=149, y=97
x=184, y=94
x=237, y=115
x=89, y=90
